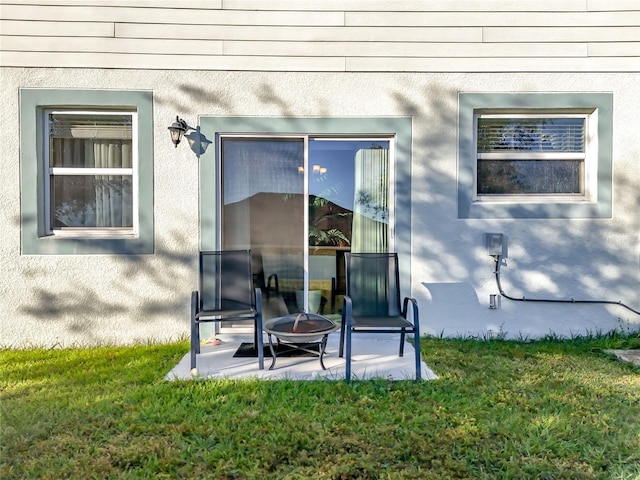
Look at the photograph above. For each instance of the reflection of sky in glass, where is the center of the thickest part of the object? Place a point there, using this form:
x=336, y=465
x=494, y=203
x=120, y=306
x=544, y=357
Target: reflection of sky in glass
x=337, y=156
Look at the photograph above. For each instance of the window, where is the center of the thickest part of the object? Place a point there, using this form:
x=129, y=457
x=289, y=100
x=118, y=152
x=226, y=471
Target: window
x=90, y=165
x=535, y=155
x=86, y=172
x=531, y=154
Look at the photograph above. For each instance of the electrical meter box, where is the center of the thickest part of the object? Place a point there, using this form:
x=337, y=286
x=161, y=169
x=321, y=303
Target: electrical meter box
x=495, y=244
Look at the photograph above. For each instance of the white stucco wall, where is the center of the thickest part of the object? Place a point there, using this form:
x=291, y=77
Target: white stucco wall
x=89, y=299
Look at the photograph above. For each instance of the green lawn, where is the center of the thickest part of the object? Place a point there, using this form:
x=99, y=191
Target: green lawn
x=547, y=409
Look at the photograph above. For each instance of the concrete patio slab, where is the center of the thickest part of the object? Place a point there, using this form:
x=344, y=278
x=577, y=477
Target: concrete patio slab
x=374, y=356
x=632, y=356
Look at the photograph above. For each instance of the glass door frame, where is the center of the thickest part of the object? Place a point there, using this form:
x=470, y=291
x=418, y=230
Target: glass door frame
x=306, y=169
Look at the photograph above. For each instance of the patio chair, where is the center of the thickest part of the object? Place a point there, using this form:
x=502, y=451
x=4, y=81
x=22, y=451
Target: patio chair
x=372, y=303
x=226, y=293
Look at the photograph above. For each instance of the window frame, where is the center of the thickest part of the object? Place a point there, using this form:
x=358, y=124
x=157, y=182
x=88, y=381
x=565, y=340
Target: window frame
x=598, y=201
x=588, y=157
x=34, y=139
x=51, y=172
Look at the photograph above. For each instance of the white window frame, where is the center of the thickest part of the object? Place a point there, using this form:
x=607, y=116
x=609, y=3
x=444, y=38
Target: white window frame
x=50, y=172
x=589, y=157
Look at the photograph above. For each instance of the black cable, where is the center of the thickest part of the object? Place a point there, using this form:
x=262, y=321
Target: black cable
x=549, y=300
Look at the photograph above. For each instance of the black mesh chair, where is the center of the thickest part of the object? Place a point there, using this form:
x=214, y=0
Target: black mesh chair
x=226, y=293
x=372, y=303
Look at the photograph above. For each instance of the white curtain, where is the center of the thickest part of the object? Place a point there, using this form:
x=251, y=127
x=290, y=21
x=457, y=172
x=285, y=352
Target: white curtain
x=113, y=193
x=371, y=204
x=93, y=200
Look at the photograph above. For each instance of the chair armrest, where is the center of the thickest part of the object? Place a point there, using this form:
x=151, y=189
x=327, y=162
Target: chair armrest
x=347, y=307
x=414, y=307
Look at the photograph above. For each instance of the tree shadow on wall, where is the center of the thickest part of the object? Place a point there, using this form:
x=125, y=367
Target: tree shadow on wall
x=86, y=308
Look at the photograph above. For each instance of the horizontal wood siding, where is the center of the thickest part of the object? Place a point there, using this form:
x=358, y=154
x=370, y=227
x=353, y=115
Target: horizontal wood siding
x=324, y=35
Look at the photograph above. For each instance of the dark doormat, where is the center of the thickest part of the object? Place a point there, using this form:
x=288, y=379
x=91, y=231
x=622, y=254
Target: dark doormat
x=282, y=350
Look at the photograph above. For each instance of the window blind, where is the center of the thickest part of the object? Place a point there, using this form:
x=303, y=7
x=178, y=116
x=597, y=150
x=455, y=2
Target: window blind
x=116, y=127
x=531, y=134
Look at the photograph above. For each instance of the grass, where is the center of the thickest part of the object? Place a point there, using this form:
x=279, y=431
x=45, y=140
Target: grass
x=546, y=409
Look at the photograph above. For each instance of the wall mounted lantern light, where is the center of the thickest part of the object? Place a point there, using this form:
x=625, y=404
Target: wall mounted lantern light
x=178, y=129
x=197, y=141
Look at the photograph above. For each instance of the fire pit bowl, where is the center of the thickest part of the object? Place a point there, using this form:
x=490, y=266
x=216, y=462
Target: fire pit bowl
x=300, y=327
x=299, y=330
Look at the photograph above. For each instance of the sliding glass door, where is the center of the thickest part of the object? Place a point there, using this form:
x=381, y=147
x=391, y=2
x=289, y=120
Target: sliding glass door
x=299, y=203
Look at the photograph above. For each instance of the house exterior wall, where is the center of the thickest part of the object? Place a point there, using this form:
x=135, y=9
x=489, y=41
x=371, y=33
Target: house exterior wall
x=322, y=59
x=324, y=36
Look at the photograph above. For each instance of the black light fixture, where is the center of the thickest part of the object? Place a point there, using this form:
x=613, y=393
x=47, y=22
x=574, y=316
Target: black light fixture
x=178, y=129
x=197, y=142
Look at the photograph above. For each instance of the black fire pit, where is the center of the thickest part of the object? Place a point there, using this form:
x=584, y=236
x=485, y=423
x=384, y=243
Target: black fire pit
x=301, y=331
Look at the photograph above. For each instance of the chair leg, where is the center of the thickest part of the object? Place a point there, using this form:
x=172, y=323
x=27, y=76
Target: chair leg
x=346, y=314
x=195, y=330
x=416, y=341
x=259, y=342
x=418, y=360
x=258, y=338
x=347, y=372
x=416, y=335
x=402, y=338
